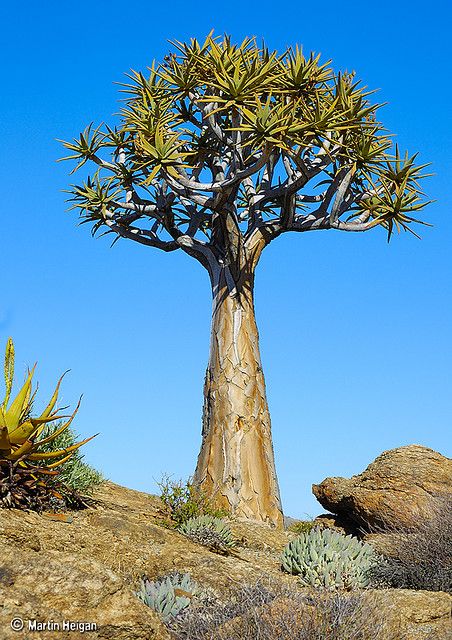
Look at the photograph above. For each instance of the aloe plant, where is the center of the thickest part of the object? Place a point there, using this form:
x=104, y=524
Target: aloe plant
x=25, y=456
x=20, y=431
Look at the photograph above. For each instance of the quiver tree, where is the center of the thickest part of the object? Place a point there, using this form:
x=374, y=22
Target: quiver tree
x=219, y=150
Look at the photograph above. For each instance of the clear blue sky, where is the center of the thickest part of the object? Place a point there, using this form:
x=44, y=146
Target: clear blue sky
x=355, y=333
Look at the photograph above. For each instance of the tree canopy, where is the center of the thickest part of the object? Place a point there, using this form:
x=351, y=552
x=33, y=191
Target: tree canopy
x=221, y=147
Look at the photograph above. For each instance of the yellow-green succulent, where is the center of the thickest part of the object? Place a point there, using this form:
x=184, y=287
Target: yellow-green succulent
x=20, y=431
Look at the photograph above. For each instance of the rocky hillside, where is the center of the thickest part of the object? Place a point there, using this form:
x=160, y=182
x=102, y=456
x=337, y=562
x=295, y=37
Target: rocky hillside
x=85, y=568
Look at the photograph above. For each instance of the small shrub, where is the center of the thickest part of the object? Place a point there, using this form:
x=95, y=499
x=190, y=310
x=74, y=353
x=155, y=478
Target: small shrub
x=206, y=617
x=423, y=554
x=209, y=531
x=169, y=595
x=303, y=526
x=75, y=472
x=184, y=500
x=269, y=611
x=326, y=559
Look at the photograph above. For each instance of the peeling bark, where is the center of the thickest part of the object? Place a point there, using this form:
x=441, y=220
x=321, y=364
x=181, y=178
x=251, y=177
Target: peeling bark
x=236, y=462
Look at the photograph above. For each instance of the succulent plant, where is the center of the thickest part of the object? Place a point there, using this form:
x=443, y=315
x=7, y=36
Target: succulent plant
x=168, y=595
x=19, y=431
x=327, y=559
x=209, y=531
x=23, y=463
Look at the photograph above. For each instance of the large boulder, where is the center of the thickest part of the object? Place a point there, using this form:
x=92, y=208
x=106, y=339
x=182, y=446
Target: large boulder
x=394, y=491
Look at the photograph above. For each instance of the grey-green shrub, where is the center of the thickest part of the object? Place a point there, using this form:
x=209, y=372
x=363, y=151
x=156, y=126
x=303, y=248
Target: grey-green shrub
x=164, y=595
x=75, y=473
x=327, y=559
x=209, y=531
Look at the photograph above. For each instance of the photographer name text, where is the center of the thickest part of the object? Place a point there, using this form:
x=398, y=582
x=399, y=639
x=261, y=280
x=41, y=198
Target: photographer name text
x=82, y=626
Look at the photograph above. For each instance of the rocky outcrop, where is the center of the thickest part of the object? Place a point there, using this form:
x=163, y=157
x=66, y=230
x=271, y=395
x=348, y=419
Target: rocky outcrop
x=414, y=615
x=394, y=491
x=63, y=595
x=87, y=568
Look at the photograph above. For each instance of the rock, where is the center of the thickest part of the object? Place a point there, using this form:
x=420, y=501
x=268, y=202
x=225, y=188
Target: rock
x=394, y=491
x=330, y=521
x=88, y=570
x=59, y=588
x=288, y=521
x=252, y=535
x=415, y=615
x=385, y=543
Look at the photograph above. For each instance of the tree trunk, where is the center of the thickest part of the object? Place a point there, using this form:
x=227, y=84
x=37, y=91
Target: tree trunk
x=236, y=462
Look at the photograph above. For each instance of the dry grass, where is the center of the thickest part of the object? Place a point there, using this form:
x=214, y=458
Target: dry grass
x=267, y=611
x=423, y=557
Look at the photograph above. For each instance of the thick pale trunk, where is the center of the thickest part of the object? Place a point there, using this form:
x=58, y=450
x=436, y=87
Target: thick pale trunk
x=236, y=463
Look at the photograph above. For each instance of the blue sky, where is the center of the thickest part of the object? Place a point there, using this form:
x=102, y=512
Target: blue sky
x=355, y=333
